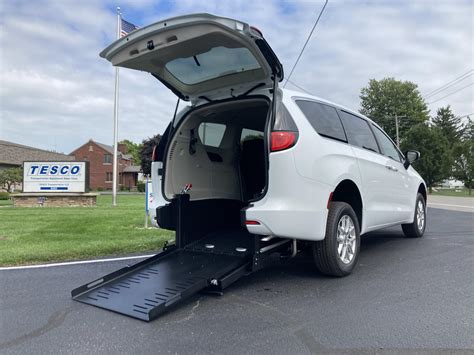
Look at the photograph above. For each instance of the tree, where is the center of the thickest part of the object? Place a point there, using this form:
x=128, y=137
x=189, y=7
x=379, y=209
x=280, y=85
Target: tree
x=146, y=151
x=434, y=164
x=449, y=125
x=10, y=177
x=463, y=165
x=133, y=149
x=384, y=99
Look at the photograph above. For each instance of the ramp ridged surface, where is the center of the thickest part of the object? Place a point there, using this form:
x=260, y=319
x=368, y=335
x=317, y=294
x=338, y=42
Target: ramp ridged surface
x=148, y=291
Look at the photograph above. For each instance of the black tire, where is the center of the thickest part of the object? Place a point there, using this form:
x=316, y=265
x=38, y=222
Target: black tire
x=325, y=252
x=412, y=230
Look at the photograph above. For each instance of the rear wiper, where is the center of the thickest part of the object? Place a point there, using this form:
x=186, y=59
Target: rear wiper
x=251, y=89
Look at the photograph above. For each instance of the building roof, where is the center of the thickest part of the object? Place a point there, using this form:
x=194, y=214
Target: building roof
x=132, y=169
x=15, y=154
x=107, y=148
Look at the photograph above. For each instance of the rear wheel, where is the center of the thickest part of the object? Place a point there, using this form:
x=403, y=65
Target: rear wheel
x=417, y=228
x=337, y=254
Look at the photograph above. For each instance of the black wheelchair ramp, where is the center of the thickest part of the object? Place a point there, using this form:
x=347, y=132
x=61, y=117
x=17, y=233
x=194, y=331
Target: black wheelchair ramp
x=151, y=287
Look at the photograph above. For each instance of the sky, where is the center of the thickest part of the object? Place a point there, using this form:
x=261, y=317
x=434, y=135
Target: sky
x=56, y=93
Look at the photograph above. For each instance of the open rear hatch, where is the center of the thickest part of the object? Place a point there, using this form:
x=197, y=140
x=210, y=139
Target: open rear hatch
x=199, y=56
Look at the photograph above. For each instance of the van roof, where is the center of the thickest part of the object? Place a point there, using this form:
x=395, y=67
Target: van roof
x=300, y=94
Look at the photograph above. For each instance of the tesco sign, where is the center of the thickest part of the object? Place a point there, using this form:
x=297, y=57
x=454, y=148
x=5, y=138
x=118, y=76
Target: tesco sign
x=55, y=176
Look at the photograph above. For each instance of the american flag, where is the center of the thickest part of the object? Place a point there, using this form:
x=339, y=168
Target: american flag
x=127, y=27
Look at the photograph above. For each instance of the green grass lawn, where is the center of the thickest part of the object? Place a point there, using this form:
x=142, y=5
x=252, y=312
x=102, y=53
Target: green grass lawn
x=453, y=192
x=34, y=235
x=6, y=203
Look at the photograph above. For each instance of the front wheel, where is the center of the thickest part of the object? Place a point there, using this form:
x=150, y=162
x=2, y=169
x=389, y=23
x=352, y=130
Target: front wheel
x=417, y=228
x=337, y=253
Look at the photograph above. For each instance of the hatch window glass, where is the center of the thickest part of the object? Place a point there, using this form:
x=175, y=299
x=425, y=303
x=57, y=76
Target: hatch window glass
x=386, y=145
x=358, y=132
x=211, y=134
x=217, y=62
x=323, y=118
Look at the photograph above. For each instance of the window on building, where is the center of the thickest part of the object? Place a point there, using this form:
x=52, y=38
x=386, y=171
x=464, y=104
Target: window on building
x=386, y=145
x=91, y=148
x=85, y=158
x=108, y=159
x=211, y=134
x=108, y=177
x=323, y=118
x=358, y=132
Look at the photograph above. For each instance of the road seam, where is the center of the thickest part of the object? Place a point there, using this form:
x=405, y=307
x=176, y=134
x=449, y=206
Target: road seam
x=74, y=262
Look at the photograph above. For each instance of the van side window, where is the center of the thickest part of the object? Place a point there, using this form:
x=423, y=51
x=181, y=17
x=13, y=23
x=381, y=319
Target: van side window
x=211, y=134
x=358, y=132
x=323, y=118
x=386, y=145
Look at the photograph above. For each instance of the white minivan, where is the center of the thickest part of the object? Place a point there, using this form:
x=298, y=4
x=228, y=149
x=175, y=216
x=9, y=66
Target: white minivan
x=255, y=157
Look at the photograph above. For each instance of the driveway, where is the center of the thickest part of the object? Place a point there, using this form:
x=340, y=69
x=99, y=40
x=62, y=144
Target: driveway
x=407, y=294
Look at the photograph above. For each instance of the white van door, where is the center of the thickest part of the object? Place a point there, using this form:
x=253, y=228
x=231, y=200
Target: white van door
x=199, y=56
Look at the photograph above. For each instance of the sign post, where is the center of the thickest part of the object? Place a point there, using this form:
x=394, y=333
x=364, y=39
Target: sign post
x=146, y=202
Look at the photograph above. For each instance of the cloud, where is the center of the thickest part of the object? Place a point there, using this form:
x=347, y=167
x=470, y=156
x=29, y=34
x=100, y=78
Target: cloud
x=56, y=93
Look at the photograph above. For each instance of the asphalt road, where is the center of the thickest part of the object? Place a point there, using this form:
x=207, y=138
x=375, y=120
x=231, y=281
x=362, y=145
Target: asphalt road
x=405, y=294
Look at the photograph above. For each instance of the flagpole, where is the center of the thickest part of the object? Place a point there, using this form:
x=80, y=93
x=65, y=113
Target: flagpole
x=116, y=114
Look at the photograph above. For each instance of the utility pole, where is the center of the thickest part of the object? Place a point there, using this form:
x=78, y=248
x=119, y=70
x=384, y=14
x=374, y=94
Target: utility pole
x=396, y=129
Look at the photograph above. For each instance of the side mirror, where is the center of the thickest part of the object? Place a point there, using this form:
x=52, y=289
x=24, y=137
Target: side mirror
x=410, y=157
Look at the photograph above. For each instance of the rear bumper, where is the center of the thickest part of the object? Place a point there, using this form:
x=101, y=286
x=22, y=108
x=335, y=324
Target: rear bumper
x=297, y=224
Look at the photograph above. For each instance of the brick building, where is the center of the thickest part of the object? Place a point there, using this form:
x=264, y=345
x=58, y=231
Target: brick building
x=100, y=158
x=12, y=155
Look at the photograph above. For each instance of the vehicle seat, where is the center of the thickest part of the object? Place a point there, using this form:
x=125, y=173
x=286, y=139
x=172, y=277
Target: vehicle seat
x=252, y=166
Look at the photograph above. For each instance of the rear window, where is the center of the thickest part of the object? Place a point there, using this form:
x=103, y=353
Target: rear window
x=323, y=118
x=211, y=134
x=216, y=62
x=358, y=132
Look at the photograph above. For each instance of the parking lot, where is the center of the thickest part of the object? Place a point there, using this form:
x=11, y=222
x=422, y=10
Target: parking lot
x=405, y=294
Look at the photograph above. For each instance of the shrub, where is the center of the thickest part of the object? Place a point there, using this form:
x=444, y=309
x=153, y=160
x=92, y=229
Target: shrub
x=141, y=186
x=100, y=189
x=4, y=195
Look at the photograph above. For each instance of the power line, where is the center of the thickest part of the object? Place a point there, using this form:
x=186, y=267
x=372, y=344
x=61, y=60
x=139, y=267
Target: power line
x=451, y=83
x=307, y=40
x=432, y=102
x=299, y=87
x=469, y=114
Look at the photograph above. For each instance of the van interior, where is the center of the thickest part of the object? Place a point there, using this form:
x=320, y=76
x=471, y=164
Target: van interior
x=220, y=150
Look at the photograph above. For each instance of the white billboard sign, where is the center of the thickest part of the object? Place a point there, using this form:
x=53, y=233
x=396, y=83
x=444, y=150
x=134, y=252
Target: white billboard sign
x=55, y=176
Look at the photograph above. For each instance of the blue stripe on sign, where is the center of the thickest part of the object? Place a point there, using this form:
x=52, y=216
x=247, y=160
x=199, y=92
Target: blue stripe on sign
x=61, y=188
x=45, y=188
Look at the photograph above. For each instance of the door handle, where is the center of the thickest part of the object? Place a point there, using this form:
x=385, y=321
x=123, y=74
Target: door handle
x=390, y=167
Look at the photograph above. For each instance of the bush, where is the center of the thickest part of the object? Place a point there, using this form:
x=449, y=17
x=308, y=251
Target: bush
x=100, y=189
x=141, y=186
x=4, y=195
x=124, y=188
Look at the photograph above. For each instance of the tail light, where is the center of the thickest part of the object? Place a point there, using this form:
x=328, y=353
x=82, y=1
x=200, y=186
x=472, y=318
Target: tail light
x=252, y=223
x=282, y=140
x=153, y=154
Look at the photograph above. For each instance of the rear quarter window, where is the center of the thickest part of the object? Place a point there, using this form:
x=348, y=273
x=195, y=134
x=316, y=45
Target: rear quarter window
x=323, y=118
